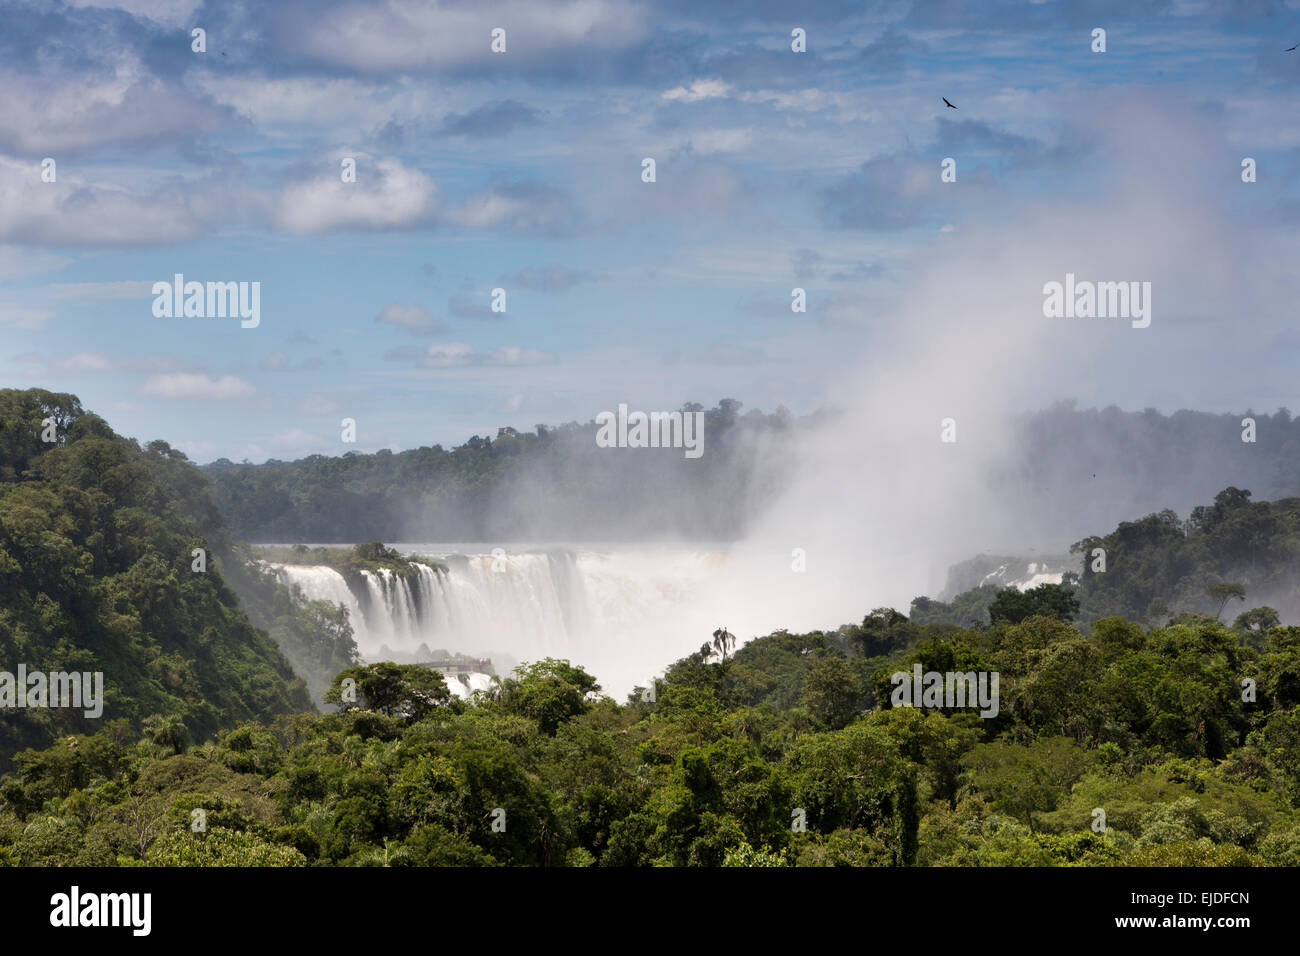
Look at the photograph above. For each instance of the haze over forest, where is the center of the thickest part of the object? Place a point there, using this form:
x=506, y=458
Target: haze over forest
x=1068, y=471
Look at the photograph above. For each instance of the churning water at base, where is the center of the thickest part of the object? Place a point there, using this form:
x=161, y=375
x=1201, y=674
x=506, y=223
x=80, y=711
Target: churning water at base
x=622, y=615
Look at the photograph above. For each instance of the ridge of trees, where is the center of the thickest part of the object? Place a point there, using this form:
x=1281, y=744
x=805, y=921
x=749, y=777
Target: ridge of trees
x=97, y=573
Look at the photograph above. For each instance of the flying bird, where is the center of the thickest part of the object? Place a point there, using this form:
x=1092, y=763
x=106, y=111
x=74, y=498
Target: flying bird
x=1292, y=50
x=946, y=103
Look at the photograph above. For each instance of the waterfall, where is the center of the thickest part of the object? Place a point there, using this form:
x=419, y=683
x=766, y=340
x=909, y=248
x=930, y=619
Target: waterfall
x=323, y=584
x=605, y=611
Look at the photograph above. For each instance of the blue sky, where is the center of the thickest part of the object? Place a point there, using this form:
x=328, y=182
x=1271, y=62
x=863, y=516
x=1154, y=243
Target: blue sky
x=522, y=171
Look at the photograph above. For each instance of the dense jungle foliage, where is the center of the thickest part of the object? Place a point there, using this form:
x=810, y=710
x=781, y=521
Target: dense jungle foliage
x=98, y=572
x=786, y=753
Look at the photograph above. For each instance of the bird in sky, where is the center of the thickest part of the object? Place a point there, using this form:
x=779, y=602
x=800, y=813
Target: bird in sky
x=946, y=103
x=1291, y=50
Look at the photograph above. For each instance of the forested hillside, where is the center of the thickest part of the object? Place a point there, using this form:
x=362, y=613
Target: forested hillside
x=1235, y=555
x=98, y=573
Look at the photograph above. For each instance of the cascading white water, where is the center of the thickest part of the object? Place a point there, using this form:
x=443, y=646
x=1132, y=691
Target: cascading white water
x=622, y=615
x=322, y=584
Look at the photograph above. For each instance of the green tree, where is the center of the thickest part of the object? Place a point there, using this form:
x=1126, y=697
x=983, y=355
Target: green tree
x=550, y=692
x=830, y=692
x=394, y=690
x=1223, y=592
x=1011, y=606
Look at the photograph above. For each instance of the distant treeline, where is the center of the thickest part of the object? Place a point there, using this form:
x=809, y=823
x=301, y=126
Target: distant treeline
x=552, y=483
x=1083, y=469
x=1077, y=470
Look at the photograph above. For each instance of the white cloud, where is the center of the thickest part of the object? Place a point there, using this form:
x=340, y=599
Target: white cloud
x=447, y=354
x=399, y=35
x=121, y=102
x=169, y=13
x=386, y=195
x=460, y=354
x=72, y=211
x=196, y=385
x=83, y=362
x=288, y=106
x=522, y=206
x=810, y=99
x=699, y=90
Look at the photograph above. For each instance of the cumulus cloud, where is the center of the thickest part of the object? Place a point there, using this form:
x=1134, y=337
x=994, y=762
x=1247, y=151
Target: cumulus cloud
x=386, y=195
x=72, y=211
x=524, y=206
x=698, y=90
x=169, y=13
x=197, y=385
x=438, y=35
x=83, y=362
x=121, y=103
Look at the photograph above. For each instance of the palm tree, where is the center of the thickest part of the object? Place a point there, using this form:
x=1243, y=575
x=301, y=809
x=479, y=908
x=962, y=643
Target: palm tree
x=385, y=857
x=166, y=731
x=723, y=641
